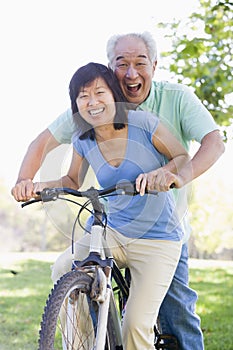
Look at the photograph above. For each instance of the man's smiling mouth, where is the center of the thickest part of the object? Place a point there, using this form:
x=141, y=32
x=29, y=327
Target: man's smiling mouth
x=133, y=87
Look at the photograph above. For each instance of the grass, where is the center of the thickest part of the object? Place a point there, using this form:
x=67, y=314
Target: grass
x=214, y=282
x=23, y=296
x=22, y=299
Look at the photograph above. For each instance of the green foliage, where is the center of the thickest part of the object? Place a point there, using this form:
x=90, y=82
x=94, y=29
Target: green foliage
x=202, y=55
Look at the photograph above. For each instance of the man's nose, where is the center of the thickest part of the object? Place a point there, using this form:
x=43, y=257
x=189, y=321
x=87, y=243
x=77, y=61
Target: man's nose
x=131, y=73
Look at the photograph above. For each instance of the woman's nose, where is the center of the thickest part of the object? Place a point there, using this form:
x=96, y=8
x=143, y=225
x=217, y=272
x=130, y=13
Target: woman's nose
x=93, y=100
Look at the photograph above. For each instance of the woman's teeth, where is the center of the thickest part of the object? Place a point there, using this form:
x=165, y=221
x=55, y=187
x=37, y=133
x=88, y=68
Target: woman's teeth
x=94, y=112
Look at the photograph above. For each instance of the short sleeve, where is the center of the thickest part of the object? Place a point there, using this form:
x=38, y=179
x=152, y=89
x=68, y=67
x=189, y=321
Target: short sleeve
x=150, y=122
x=146, y=120
x=196, y=120
x=77, y=144
x=63, y=127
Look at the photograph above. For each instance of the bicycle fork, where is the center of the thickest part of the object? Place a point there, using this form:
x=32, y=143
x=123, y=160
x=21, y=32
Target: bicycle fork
x=100, y=267
x=101, y=287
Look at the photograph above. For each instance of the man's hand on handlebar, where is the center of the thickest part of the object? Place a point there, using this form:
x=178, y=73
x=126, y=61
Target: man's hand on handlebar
x=160, y=180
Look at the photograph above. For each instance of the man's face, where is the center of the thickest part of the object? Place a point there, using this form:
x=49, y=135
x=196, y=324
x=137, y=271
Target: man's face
x=133, y=69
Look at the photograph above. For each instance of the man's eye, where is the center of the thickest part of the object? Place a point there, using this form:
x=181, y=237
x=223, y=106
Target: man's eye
x=122, y=65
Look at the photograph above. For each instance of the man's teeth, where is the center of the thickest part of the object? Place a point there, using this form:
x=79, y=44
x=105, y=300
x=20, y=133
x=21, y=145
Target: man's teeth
x=132, y=85
x=94, y=112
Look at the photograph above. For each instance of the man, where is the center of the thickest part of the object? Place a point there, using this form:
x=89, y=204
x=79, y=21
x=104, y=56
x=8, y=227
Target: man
x=133, y=58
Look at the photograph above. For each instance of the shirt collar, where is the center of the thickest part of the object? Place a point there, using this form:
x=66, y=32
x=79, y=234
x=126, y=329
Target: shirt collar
x=148, y=103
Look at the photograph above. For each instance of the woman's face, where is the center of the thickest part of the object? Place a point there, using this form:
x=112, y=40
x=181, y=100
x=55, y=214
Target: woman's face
x=96, y=104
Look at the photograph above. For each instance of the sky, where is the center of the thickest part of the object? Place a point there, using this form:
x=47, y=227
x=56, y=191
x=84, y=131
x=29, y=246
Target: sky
x=43, y=43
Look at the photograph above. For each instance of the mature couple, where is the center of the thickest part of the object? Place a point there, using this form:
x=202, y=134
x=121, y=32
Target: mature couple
x=148, y=144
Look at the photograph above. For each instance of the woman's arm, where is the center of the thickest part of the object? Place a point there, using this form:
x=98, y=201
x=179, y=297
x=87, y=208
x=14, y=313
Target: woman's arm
x=162, y=178
x=74, y=178
x=32, y=161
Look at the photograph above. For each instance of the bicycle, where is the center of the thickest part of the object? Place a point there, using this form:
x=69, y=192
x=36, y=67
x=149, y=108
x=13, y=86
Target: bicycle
x=85, y=307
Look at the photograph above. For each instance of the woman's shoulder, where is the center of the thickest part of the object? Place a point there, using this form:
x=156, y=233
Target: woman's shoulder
x=142, y=119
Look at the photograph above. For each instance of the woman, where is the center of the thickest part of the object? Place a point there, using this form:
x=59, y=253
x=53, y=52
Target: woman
x=143, y=231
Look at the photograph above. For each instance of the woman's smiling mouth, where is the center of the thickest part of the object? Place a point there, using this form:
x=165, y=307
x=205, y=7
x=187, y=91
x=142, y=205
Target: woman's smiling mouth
x=94, y=112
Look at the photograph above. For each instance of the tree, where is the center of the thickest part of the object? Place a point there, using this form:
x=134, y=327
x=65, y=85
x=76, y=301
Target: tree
x=202, y=56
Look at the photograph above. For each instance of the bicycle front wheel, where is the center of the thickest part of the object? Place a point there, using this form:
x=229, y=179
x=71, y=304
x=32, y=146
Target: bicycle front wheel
x=70, y=319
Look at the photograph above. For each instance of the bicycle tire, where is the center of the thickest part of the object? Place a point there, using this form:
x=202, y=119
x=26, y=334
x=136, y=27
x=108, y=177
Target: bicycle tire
x=53, y=335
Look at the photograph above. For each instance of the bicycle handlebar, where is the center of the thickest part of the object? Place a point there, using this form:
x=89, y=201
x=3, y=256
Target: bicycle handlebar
x=52, y=194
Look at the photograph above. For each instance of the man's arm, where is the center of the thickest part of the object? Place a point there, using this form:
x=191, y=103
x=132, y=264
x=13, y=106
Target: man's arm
x=210, y=150
x=32, y=161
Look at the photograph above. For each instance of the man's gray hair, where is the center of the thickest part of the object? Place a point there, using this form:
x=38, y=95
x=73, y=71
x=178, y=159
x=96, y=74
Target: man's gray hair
x=146, y=37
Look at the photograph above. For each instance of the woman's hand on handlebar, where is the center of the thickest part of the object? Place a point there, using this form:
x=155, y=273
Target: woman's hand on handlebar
x=160, y=180
x=26, y=189
x=23, y=190
x=39, y=186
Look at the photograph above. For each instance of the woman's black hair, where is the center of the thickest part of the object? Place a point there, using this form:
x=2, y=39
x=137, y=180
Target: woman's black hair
x=83, y=77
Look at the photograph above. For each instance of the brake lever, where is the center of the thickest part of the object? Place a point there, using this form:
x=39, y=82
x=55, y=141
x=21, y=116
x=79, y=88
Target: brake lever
x=127, y=188
x=48, y=194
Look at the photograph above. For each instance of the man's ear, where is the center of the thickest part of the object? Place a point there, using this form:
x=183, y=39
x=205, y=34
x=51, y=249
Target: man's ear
x=155, y=65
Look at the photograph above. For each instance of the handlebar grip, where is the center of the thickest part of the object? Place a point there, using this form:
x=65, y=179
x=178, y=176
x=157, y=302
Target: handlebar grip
x=31, y=201
x=46, y=195
x=129, y=188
